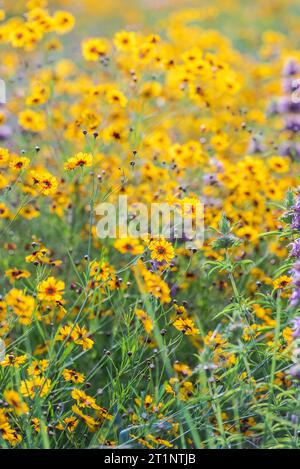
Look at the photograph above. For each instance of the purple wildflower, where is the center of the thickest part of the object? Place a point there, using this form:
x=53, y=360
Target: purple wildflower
x=291, y=67
x=173, y=289
x=296, y=327
x=296, y=215
x=295, y=296
x=210, y=179
x=295, y=371
x=290, y=85
x=292, y=123
x=289, y=149
x=5, y=132
x=285, y=105
x=295, y=252
x=255, y=146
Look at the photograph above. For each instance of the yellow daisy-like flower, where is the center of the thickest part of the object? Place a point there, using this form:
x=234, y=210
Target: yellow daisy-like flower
x=81, y=337
x=13, y=398
x=83, y=400
x=145, y=319
x=69, y=423
x=4, y=155
x=74, y=376
x=12, y=360
x=23, y=305
x=45, y=182
x=161, y=250
x=32, y=120
x=129, y=245
x=186, y=325
x=63, y=22
x=279, y=164
x=16, y=274
x=282, y=282
x=125, y=40
x=35, y=423
x=37, y=367
x=17, y=163
x=80, y=160
x=19, y=36
x=38, y=385
x=94, y=48
x=51, y=289
x=4, y=211
x=116, y=97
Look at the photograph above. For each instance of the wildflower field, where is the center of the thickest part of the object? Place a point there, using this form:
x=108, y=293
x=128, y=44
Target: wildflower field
x=137, y=341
